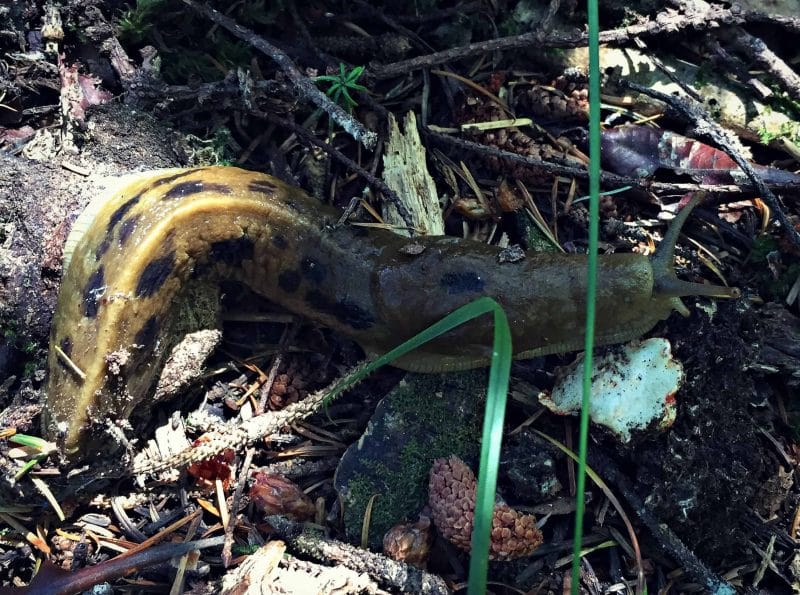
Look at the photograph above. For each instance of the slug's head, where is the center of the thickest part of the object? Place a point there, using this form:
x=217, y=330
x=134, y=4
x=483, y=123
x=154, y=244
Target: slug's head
x=665, y=283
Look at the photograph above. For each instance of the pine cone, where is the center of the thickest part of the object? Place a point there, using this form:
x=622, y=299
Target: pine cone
x=289, y=386
x=274, y=494
x=409, y=542
x=451, y=495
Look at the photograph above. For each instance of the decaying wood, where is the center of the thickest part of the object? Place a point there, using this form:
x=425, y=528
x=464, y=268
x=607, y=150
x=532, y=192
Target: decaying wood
x=405, y=171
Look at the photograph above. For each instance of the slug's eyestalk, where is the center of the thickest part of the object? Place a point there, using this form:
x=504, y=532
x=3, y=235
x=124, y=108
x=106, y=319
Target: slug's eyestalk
x=666, y=283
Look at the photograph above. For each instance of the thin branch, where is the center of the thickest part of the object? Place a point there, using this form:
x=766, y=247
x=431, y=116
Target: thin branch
x=791, y=24
x=665, y=22
x=755, y=49
x=387, y=572
x=705, y=126
x=305, y=87
x=304, y=134
x=607, y=178
x=235, y=504
x=667, y=540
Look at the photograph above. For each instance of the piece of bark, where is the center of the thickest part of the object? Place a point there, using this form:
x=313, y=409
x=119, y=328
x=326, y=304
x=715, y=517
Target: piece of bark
x=406, y=172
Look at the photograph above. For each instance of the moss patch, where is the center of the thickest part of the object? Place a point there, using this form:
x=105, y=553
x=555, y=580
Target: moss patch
x=427, y=416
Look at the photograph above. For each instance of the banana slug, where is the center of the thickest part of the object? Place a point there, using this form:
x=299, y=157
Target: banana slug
x=130, y=253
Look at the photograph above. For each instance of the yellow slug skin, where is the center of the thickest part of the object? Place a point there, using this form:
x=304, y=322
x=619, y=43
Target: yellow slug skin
x=163, y=228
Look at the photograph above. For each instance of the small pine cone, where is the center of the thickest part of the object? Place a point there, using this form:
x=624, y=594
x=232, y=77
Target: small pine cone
x=565, y=98
x=274, y=494
x=512, y=139
x=513, y=534
x=409, y=542
x=289, y=387
x=451, y=495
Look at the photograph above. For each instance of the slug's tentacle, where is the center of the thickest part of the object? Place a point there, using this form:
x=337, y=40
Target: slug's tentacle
x=134, y=253
x=665, y=282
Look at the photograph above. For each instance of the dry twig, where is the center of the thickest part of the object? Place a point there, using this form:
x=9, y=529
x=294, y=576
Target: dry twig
x=387, y=572
x=304, y=134
x=705, y=126
x=606, y=178
x=668, y=21
x=755, y=49
x=302, y=83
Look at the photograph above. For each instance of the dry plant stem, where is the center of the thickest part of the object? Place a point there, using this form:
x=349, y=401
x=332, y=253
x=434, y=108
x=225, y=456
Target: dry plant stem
x=297, y=468
x=237, y=498
x=668, y=541
x=216, y=93
x=755, y=49
x=723, y=60
x=303, y=84
x=608, y=179
x=705, y=126
x=387, y=572
x=286, y=339
x=234, y=438
x=665, y=22
x=55, y=581
x=304, y=134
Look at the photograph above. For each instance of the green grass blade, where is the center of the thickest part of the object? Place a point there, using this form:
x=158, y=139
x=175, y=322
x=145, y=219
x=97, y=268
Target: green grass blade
x=494, y=416
x=456, y=318
x=497, y=392
x=591, y=286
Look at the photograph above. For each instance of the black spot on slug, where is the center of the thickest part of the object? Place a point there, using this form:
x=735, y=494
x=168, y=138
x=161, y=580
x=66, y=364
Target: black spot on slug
x=467, y=282
x=345, y=312
x=154, y=275
x=289, y=281
x=279, y=242
x=313, y=270
x=172, y=178
x=262, y=186
x=232, y=252
x=117, y=215
x=147, y=334
x=92, y=291
x=102, y=249
x=126, y=229
x=189, y=188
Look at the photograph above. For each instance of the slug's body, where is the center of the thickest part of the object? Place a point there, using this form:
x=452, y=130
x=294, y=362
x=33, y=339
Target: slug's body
x=131, y=254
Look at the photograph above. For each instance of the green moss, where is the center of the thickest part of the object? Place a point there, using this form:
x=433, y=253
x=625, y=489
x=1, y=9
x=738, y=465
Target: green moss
x=136, y=24
x=213, y=151
x=788, y=130
x=428, y=417
x=29, y=369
